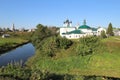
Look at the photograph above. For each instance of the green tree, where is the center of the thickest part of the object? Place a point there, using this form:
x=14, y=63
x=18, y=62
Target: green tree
x=64, y=43
x=40, y=34
x=1, y=30
x=7, y=29
x=49, y=46
x=52, y=44
x=110, y=30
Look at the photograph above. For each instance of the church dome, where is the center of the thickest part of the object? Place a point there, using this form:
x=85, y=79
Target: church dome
x=84, y=27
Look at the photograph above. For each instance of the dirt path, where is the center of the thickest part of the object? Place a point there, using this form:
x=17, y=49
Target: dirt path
x=117, y=38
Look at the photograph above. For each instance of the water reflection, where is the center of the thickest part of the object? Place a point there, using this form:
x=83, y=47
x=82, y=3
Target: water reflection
x=21, y=53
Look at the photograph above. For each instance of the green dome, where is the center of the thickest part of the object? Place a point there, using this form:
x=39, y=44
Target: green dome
x=84, y=27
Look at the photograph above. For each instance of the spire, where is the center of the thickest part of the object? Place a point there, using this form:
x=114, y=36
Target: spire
x=13, y=27
x=84, y=22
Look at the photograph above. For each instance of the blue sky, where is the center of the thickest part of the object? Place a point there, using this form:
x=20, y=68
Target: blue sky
x=29, y=13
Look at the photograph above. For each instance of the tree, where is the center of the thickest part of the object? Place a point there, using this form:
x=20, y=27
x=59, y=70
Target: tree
x=64, y=43
x=110, y=30
x=7, y=29
x=1, y=30
x=39, y=35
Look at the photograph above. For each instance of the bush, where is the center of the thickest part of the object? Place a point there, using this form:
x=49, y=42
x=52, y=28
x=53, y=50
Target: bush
x=64, y=43
x=87, y=45
x=52, y=44
x=49, y=46
x=39, y=35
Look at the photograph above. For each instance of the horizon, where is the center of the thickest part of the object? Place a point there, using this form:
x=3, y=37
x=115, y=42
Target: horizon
x=28, y=13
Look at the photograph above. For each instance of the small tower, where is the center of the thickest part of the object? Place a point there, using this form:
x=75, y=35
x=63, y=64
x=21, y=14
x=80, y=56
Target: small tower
x=13, y=28
x=67, y=23
x=84, y=22
x=78, y=25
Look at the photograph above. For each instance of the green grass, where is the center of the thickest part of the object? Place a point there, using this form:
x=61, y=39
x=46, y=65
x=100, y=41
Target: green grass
x=105, y=62
x=11, y=40
x=9, y=43
x=96, y=65
x=112, y=39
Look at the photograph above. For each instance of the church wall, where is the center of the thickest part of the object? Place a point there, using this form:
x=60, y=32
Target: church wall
x=65, y=30
x=74, y=36
x=86, y=30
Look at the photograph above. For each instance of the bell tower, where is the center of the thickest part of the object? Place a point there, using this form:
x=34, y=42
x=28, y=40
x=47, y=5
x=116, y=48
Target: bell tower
x=13, y=28
x=84, y=22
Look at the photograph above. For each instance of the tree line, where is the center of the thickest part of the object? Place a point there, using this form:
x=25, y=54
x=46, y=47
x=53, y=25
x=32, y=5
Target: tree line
x=47, y=40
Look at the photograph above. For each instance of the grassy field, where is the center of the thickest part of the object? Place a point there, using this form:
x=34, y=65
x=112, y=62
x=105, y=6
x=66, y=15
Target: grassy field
x=11, y=40
x=9, y=43
x=105, y=62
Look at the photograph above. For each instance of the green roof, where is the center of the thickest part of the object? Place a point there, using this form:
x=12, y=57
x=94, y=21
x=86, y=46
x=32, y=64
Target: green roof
x=75, y=32
x=84, y=27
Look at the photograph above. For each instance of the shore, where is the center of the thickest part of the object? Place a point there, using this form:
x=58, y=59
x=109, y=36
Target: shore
x=10, y=43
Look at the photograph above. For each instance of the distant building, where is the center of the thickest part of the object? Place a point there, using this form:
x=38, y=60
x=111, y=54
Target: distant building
x=79, y=31
x=99, y=31
x=5, y=35
x=31, y=30
x=116, y=32
x=13, y=28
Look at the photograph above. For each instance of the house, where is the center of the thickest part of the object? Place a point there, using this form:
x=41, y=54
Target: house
x=100, y=30
x=80, y=31
x=5, y=35
x=116, y=32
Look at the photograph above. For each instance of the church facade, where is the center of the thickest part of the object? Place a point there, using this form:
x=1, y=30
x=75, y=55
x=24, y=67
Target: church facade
x=70, y=32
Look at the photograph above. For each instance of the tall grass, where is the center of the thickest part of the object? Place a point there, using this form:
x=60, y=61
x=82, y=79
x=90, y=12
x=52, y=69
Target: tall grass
x=105, y=62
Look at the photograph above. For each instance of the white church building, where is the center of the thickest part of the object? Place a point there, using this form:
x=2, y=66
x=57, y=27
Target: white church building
x=70, y=32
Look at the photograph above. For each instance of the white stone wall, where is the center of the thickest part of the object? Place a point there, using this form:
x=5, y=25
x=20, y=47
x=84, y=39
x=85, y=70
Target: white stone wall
x=86, y=30
x=74, y=36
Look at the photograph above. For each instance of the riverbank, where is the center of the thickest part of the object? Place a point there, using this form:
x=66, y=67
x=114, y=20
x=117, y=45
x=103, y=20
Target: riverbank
x=7, y=44
x=103, y=62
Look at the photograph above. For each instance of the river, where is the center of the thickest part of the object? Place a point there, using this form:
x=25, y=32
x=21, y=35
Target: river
x=19, y=54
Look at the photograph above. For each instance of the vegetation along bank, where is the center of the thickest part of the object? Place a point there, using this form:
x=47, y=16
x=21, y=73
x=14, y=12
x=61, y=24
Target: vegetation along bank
x=57, y=58
x=13, y=41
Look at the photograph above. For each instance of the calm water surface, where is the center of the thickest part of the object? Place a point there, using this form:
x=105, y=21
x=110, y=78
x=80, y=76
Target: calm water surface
x=21, y=53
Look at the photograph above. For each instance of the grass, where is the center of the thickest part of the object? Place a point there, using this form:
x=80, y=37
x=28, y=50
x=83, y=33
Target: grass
x=96, y=65
x=105, y=62
x=9, y=43
x=11, y=40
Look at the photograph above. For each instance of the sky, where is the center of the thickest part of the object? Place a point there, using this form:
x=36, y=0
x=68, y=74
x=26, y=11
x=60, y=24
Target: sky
x=29, y=13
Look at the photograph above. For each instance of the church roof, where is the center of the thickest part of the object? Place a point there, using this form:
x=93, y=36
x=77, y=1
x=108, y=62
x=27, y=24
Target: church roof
x=75, y=32
x=84, y=27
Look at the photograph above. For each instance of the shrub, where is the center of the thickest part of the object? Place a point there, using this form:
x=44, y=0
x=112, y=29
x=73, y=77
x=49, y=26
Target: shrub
x=51, y=44
x=87, y=45
x=64, y=43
